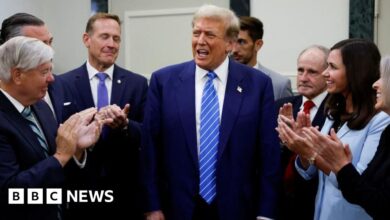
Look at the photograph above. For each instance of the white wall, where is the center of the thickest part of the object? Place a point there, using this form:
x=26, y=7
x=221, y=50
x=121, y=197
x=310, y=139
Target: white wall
x=157, y=38
x=291, y=26
x=65, y=19
x=383, y=39
x=9, y=7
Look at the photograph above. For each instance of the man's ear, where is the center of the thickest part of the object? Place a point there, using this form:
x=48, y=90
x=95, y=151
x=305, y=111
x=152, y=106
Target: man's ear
x=258, y=44
x=16, y=75
x=86, y=39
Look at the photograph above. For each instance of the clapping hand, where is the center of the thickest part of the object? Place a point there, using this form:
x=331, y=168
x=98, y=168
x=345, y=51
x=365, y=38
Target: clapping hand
x=118, y=117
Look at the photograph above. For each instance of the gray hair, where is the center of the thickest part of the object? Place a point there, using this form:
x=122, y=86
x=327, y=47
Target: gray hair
x=324, y=50
x=22, y=52
x=232, y=23
x=385, y=77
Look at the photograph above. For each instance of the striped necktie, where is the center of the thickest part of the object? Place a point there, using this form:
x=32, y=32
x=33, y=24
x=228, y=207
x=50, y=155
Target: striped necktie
x=32, y=122
x=209, y=138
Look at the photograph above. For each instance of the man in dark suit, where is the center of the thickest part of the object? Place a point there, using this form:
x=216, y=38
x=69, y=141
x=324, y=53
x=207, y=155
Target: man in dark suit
x=113, y=161
x=299, y=194
x=24, y=24
x=214, y=105
x=33, y=152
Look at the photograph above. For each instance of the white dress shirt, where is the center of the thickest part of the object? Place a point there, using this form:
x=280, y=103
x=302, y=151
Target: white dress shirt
x=317, y=102
x=94, y=81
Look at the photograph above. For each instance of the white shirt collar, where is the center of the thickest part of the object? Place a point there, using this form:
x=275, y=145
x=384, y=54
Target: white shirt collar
x=15, y=102
x=317, y=100
x=221, y=71
x=92, y=71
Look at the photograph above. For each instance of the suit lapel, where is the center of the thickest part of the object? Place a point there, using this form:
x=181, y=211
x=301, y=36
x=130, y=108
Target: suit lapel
x=185, y=98
x=20, y=123
x=117, y=86
x=296, y=104
x=235, y=90
x=84, y=88
x=319, y=118
x=343, y=130
x=47, y=125
x=56, y=97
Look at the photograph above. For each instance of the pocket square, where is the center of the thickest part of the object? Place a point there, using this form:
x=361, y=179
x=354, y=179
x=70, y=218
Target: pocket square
x=67, y=103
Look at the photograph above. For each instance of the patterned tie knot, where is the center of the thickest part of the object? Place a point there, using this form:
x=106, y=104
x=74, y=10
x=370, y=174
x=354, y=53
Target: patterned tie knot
x=101, y=76
x=307, y=106
x=211, y=75
x=26, y=112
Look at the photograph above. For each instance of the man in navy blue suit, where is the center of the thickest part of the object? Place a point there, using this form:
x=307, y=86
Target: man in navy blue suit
x=244, y=172
x=113, y=162
x=24, y=24
x=34, y=153
x=299, y=194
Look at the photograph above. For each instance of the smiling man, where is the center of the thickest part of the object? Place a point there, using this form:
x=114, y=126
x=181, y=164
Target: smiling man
x=34, y=153
x=113, y=162
x=209, y=149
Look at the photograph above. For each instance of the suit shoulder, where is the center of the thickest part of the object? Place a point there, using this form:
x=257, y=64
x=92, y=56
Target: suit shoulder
x=249, y=71
x=279, y=78
x=290, y=99
x=175, y=67
x=72, y=73
x=168, y=71
x=134, y=76
x=275, y=76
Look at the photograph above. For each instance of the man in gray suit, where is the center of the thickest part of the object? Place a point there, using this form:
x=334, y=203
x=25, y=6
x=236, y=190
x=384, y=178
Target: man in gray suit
x=245, y=51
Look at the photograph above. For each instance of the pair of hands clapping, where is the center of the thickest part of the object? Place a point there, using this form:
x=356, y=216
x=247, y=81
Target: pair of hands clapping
x=326, y=151
x=83, y=129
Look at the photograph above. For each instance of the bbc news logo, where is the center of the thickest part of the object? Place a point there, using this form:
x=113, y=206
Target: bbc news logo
x=54, y=196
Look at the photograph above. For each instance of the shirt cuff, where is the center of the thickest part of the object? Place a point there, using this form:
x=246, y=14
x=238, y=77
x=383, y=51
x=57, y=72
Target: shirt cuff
x=306, y=174
x=81, y=164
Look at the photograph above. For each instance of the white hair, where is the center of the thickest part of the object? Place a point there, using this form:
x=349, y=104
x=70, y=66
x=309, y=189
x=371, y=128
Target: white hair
x=385, y=75
x=232, y=23
x=25, y=53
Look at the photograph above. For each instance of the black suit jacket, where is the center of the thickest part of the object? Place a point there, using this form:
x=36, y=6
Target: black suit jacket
x=299, y=204
x=23, y=163
x=371, y=190
x=113, y=162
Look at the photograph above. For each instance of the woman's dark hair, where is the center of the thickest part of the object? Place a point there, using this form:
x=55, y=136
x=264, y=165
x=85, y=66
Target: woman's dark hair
x=361, y=59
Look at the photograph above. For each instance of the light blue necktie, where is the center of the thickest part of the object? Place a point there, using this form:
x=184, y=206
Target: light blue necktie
x=27, y=114
x=209, y=138
x=102, y=93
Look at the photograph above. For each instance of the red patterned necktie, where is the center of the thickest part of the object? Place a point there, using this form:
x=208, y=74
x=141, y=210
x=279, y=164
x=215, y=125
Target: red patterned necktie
x=307, y=106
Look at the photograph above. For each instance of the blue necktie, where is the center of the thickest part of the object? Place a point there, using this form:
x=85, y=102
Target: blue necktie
x=27, y=114
x=102, y=93
x=209, y=138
